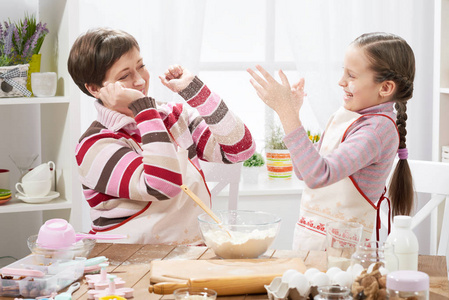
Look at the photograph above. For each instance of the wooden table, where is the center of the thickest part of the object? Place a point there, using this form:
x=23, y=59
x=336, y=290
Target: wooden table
x=132, y=263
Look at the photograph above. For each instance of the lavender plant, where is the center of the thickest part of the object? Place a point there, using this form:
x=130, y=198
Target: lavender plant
x=6, y=35
x=19, y=41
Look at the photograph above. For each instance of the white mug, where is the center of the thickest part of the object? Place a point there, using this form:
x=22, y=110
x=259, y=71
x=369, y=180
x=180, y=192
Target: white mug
x=34, y=189
x=4, y=179
x=42, y=172
x=43, y=84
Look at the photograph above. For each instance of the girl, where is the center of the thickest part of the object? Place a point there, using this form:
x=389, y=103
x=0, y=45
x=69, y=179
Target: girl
x=134, y=158
x=346, y=174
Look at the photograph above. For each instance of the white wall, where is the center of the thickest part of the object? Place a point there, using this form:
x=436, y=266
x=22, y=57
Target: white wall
x=17, y=226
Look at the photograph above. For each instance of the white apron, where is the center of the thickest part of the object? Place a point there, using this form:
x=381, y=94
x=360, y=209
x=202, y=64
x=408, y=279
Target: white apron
x=340, y=201
x=172, y=221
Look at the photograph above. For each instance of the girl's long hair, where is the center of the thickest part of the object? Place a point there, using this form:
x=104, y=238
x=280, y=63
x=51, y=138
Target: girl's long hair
x=393, y=59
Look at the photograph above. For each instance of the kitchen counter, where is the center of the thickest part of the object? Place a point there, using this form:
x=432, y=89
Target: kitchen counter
x=131, y=262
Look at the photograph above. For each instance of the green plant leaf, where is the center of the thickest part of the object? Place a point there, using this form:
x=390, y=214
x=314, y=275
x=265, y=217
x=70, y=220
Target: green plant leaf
x=256, y=160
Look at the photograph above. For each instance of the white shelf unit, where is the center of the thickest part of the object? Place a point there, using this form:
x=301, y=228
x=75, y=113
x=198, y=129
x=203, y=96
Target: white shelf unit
x=52, y=127
x=441, y=78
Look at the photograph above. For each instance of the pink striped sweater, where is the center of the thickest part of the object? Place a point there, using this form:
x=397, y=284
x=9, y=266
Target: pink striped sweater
x=125, y=163
x=367, y=153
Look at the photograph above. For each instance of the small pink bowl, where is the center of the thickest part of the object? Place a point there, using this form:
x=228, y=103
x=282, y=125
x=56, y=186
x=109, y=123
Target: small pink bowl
x=55, y=234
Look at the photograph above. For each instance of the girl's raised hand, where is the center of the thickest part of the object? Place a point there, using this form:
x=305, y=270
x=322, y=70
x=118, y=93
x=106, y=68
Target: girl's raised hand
x=281, y=97
x=116, y=97
x=176, y=78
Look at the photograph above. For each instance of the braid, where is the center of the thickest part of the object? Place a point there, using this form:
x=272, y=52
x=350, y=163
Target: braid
x=404, y=89
x=401, y=118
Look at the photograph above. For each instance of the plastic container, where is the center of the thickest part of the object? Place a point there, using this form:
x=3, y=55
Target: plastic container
x=407, y=284
x=333, y=292
x=35, y=276
x=405, y=243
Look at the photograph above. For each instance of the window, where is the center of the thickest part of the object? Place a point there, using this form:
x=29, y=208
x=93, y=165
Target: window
x=238, y=35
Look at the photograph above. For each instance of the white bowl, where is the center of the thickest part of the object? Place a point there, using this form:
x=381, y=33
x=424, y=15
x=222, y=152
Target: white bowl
x=242, y=233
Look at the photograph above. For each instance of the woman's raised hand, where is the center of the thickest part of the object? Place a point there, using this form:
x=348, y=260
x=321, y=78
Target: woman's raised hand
x=116, y=97
x=176, y=78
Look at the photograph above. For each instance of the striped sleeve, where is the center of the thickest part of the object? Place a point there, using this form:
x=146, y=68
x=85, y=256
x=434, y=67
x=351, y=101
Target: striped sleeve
x=219, y=135
x=114, y=165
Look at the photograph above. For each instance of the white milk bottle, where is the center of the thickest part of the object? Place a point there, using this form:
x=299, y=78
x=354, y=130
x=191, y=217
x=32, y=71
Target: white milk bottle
x=405, y=243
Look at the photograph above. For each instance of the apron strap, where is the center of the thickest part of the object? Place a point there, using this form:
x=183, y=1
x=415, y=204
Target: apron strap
x=378, y=221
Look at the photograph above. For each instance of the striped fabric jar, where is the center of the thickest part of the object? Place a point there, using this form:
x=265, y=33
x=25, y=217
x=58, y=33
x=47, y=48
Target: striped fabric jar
x=279, y=164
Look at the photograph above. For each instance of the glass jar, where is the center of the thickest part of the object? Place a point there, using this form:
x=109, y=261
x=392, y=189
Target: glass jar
x=333, y=292
x=406, y=284
x=370, y=259
x=371, y=253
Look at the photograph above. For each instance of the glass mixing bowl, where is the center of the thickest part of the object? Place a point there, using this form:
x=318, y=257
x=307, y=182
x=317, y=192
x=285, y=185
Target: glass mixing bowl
x=79, y=249
x=241, y=233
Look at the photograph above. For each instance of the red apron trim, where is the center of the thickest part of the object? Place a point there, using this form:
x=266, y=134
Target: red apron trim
x=362, y=193
x=378, y=221
x=397, y=130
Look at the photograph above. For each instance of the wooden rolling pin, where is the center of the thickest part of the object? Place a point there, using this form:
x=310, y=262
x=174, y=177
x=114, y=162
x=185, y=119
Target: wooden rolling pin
x=224, y=286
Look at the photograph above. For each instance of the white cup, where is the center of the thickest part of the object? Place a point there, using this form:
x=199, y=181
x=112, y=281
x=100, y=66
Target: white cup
x=43, y=84
x=42, y=172
x=34, y=189
x=4, y=179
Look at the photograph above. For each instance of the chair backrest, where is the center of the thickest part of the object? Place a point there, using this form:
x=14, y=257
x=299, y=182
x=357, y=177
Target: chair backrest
x=431, y=178
x=218, y=176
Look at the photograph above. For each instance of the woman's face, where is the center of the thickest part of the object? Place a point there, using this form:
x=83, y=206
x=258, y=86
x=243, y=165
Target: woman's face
x=361, y=91
x=130, y=71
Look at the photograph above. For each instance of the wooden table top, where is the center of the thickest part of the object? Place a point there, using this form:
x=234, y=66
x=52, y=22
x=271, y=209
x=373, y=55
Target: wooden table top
x=131, y=262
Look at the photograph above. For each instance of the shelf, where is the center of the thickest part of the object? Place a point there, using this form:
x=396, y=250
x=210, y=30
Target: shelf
x=34, y=100
x=444, y=90
x=16, y=205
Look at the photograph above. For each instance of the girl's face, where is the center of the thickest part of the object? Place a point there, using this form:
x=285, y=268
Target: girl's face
x=361, y=91
x=130, y=71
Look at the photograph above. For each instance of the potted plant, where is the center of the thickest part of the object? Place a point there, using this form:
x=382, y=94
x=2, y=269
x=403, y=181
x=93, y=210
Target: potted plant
x=20, y=44
x=279, y=163
x=252, y=167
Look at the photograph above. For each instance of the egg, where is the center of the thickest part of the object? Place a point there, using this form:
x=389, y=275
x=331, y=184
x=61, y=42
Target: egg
x=320, y=279
x=288, y=275
x=310, y=272
x=301, y=283
x=356, y=270
x=342, y=278
x=332, y=271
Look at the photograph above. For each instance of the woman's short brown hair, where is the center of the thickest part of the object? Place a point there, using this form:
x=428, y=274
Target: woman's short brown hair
x=94, y=53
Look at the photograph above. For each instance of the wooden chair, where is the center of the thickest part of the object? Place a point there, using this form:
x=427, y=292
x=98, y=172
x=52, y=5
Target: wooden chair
x=432, y=178
x=218, y=176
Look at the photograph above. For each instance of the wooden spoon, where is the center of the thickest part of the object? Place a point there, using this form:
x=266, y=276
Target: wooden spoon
x=203, y=206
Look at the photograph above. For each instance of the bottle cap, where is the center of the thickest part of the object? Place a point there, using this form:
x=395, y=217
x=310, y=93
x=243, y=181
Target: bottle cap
x=408, y=281
x=402, y=221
